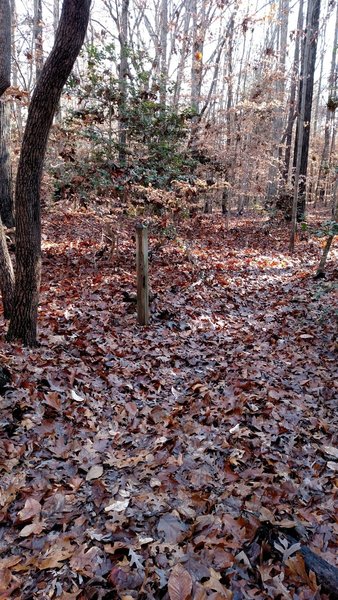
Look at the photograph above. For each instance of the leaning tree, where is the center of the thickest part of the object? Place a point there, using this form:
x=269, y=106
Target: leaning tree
x=68, y=41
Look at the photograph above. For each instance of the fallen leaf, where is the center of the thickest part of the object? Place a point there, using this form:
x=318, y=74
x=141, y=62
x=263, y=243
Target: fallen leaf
x=118, y=505
x=94, y=472
x=171, y=527
x=179, y=583
x=31, y=509
x=54, y=557
x=331, y=450
x=35, y=528
x=76, y=396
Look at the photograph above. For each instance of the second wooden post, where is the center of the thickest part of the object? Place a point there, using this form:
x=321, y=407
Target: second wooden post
x=142, y=274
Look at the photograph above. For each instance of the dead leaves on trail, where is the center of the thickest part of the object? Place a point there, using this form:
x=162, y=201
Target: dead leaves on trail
x=141, y=462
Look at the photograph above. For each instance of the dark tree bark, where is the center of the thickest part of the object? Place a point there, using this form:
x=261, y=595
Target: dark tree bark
x=68, y=41
x=6, y=202
x=6, y=196
x=307, y=71
x=6, y=276
x=6, y=268
x=5, y=45
x=292, y=100
x=327, y=574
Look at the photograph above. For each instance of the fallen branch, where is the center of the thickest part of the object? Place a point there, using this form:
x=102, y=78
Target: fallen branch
x=327, y=574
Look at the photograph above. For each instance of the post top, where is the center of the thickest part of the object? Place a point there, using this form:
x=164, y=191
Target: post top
x=141, y=226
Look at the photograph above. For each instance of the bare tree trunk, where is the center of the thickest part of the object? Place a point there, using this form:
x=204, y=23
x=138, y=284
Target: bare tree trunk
x=5, y=45
x=6, y=195
x=6, y=202
x=37, y=34
x=68, y=42
x=6, y=276
x=320, y=78
x=198, y=23
x=123, y=73
x=329, y=119
x=6, y=268
x=274, y=170
x=239, y=80
x=197, y=53
x=230, y=97
x=164, y=52
x=16, y=105
x=299, y=144
x=183, y=55
x=292, y=100
x=306, y=88
x=56, y=15
x=321, y=267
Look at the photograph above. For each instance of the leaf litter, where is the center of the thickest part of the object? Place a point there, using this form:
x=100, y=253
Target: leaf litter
x=141, y=462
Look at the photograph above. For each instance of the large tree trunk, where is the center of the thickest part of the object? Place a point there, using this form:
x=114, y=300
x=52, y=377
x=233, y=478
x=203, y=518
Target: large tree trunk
x=292, y=100
x=302, y=126
x=306, y=88
x=68, y=42
x=5, y=45
x=6, y=196
x=6, y=268
x=6, y=211
x=6, y=276
x=274, y=170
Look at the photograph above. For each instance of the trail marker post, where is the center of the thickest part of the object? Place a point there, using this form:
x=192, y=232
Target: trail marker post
x=142, y=274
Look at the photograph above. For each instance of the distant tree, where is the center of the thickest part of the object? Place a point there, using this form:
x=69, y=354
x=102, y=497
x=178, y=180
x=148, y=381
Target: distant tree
x=120, y=16
x=329, y=130
x=68, y=41
x=306, y=90
x=292, y=96
x=123, y=73
x=37, y=35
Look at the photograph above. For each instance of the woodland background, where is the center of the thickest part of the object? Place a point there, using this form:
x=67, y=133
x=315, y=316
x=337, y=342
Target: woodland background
x=186, y=91
x=197, y=457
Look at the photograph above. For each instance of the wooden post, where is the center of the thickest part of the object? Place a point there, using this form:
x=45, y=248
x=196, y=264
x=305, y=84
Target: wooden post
x=142, y=274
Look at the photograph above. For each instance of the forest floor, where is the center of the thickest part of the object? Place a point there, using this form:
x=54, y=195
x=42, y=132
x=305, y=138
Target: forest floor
x=156, y=462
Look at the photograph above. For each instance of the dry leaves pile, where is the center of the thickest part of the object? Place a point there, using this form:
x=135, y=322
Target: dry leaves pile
x=141, y=462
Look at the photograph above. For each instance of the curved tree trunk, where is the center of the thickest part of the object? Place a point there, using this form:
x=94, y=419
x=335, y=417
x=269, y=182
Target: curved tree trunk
x=68, y=42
